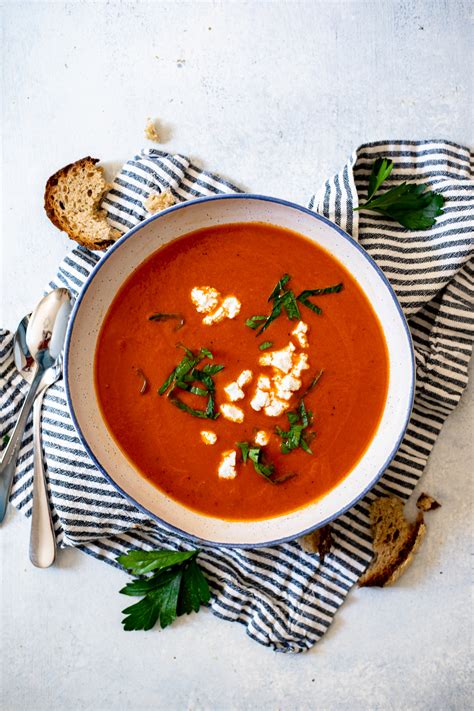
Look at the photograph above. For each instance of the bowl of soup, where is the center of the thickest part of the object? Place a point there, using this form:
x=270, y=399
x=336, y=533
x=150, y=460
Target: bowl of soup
x=239, y=369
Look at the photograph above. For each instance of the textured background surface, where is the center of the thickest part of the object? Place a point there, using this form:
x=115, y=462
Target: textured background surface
x=243, y=88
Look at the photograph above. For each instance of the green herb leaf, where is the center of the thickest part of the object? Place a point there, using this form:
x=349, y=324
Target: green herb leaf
x=276, y=311
x=254, y=321
x=194, y=589
x=244, y=448
x=212, y=369
x=303, y=298
x=293, y=438
x=139, y=562
x=169, y=317
x=280, y=286
x=290, y=306
x=265, y=345
x=172, y=590
x=313, y=383
x=381, y=169
x=413, y=206
x=284, y=298
x=261, y=467
x=207, y=414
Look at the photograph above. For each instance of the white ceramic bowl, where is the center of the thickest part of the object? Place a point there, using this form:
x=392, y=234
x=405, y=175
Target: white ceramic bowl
x=101, y=288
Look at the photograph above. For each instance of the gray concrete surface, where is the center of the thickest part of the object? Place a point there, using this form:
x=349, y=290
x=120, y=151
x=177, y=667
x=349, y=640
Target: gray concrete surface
x=274, y=95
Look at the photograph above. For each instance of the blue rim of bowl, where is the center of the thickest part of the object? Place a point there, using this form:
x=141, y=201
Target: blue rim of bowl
x=183, y=206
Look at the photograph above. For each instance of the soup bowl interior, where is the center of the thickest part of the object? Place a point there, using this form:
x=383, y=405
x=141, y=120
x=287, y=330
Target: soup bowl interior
x=98, y=294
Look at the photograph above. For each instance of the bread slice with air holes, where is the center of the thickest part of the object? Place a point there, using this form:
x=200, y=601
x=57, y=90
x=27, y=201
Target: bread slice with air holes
x=395, y=540
x=72, y=201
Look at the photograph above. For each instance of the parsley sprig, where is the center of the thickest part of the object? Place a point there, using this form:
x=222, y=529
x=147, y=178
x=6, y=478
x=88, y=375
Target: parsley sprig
x=284, y=300
x=184, y=377
x=413, y=206
x=175, y=587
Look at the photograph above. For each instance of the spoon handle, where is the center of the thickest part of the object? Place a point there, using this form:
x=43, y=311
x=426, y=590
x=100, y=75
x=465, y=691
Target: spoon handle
x=10, y=454
x=42, y=536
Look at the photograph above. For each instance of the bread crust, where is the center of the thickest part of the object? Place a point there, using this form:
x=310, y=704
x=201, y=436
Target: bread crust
x=59, y=218
x=395, y=542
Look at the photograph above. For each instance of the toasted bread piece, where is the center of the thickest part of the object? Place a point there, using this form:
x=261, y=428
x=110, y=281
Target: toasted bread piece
x=319, y=541
x=156, y=202
x=72, y=200
x=150, y=131
x=425, y=502
x=395, y=540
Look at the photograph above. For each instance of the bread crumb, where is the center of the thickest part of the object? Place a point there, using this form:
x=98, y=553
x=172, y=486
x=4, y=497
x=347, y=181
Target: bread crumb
x=150, y=131
x=319, y=541
x=425, y=502
x=156, y=202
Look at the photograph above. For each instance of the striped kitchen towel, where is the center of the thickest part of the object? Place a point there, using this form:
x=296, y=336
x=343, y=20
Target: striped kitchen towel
x=286, y=598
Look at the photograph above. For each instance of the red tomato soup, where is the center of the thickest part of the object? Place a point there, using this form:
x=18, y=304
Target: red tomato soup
x=162, y=434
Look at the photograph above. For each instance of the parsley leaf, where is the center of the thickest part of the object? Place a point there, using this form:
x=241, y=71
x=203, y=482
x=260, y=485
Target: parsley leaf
x=176, y=587
x=293, y=438
x=413, y=206
x=380, y=171
x=265, y=345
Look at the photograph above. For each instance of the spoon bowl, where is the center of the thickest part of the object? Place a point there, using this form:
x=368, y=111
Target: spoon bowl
x=38, y=344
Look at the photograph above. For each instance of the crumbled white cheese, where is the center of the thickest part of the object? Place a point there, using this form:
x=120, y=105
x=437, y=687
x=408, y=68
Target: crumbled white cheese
x=259, y=400
x=262, y=438
x=234, y=392
x=281, y=360
x=244, y=378
x=300, y=364
x=263, y=382
x=299, y=332
x=232, y=412
x=208, y=300
x=205, y=298
x=227, y=468
x=231, y=306
x=286, y=386
x=208, y=437
x=274, y=393
x=275, y=407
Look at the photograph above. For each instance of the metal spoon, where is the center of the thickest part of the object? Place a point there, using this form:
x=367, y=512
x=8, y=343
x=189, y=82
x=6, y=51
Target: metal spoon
x=42, y=538
x=44, y=339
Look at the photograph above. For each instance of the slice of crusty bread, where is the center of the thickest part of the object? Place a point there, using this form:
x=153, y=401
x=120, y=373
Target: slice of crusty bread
x=72, y=200
x=395, y=540
x=319, y=541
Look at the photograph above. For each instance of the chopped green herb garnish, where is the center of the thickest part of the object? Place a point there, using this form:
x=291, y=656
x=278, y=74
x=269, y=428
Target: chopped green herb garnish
x=169, y=317
x=285, y=299
x=185, y=375
x=266, y=344
x=255, y=321
x=299, y=420
x=303, y=297
x=261, y=466
x=413, y=206
x=175, y=587
x=313, y=383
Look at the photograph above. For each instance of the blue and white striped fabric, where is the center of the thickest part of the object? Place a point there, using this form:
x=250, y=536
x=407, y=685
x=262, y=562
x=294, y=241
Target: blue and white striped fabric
x=286, y=598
